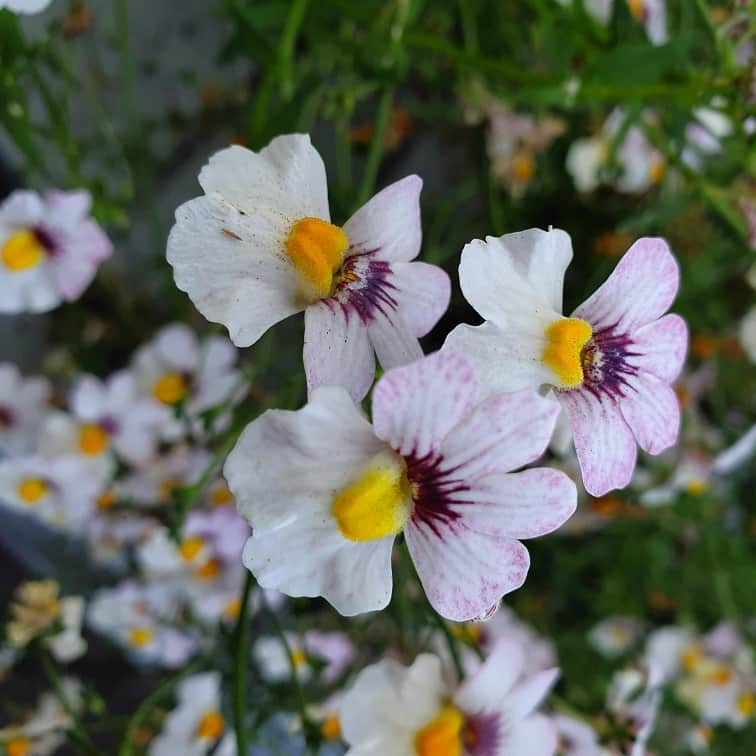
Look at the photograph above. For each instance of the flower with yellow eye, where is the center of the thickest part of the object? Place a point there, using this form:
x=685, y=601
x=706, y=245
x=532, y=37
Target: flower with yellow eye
x=610, y=363
x=197, y=723
x=260, y=246
x=410, y=711
x=49, y=249
x=326, y=485
x=176, y=368
x=61, y=491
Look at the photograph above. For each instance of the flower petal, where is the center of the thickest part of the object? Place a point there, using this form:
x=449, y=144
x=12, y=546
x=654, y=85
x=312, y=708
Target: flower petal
x=288, y=463
x=527, y=504
x=388, y=225
x=505, y=361
x=232, y=267
x=337, y=350
x=528, y=694
x=604, y=443
x=288, y=176
x=422, y=292
x=415, y=407
x=393, y=341
x=640, y=289
x=464, y=572
x=484, y=689
x=516, y=280
x=354, y=577
x=661, y=347
x=502, y=433
x=536, y=736
x=651, y=409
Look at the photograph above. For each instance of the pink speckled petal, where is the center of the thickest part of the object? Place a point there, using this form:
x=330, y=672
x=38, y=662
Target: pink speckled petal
x=337, y=351
x=661, y=347
x=640, y=289
x=389, y=224
x=502, y=433
x=464, y=572
x=651, y=409
x=415, y=406
x=604, y=443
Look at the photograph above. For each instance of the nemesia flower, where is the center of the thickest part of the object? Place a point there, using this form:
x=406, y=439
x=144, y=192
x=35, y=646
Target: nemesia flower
x=704, y=135
x=614, y=636
x=176, y=368
x=49, y=249
x=641, y=165
x=197, y=723
x=325, y=484
x=633, y=699
x=142, y=619
x=610, y=363
x=60, y=491
x=259, y=246
x=575, y=737
x=110, y=535
x=37, y=610
x=409, y=711
x=42, y=733
x=23, y=407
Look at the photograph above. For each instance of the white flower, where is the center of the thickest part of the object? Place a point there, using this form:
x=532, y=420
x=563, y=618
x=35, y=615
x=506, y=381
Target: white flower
x=747, y=334
x=60, y=491
x=704, y=135
x=576, y=738
x=613, y=636
x=436, y=464
x=49, y=249
x=23, y=407
x=175, y=368
x=409, y=711
x=196, y=724
x=259, y=246
x=610, y=363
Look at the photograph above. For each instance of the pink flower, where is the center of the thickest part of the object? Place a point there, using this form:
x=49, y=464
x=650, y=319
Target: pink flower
x=324, y=484
x=260, y=246
x=610, y=363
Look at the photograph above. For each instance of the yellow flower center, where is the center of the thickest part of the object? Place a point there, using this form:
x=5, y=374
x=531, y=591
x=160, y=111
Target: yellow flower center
x=93, y=439
x=298, y=658
x=443, y=735
x=638, y=8
x=170, y=388
x=168, y=485
x=210, y=569
x=190, y=547
x=690, y=657
x=18, y=747
x=232, y=608
x=695, y=487
x=331, y=728
x=316, y=248
x=22, y=250
x=747, y=703
x=657, y=170
x=377, y=504
x=523, y=166
x=106, y=500
x=211, y=725
x=722, y=675
x=140, y=636
x=466, y=631
x=563, y=351
x=31, y=490
x=221, y=494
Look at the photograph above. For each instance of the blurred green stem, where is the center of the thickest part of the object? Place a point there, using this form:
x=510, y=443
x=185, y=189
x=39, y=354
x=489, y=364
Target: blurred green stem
x=377, y=145
x=241, y=646
x=296, y=15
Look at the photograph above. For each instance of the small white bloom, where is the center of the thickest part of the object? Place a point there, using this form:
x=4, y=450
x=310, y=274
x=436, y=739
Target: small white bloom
x=615, y=635
x=23, y=407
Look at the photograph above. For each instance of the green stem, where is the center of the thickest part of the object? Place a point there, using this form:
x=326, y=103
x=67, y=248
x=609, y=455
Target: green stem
x=241, y=645
x=451, y=643
x=297, y=11
x=127, y=746
x=375, y=153
x=78, y=732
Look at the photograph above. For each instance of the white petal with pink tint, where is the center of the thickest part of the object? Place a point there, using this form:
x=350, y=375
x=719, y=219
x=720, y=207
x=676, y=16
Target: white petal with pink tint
x=496, y=676
x=502, y=433
x=527, y=504
x=464, y=572
x=505, y=361
x=422, y=294
x=651, y=409
x=535, y=735
x=393, y=340
x=529, y=693
x=603, y=441
x=337, y=350
x=661, y=346
x=640, y=289
x=389, y=223
x=415, y=407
